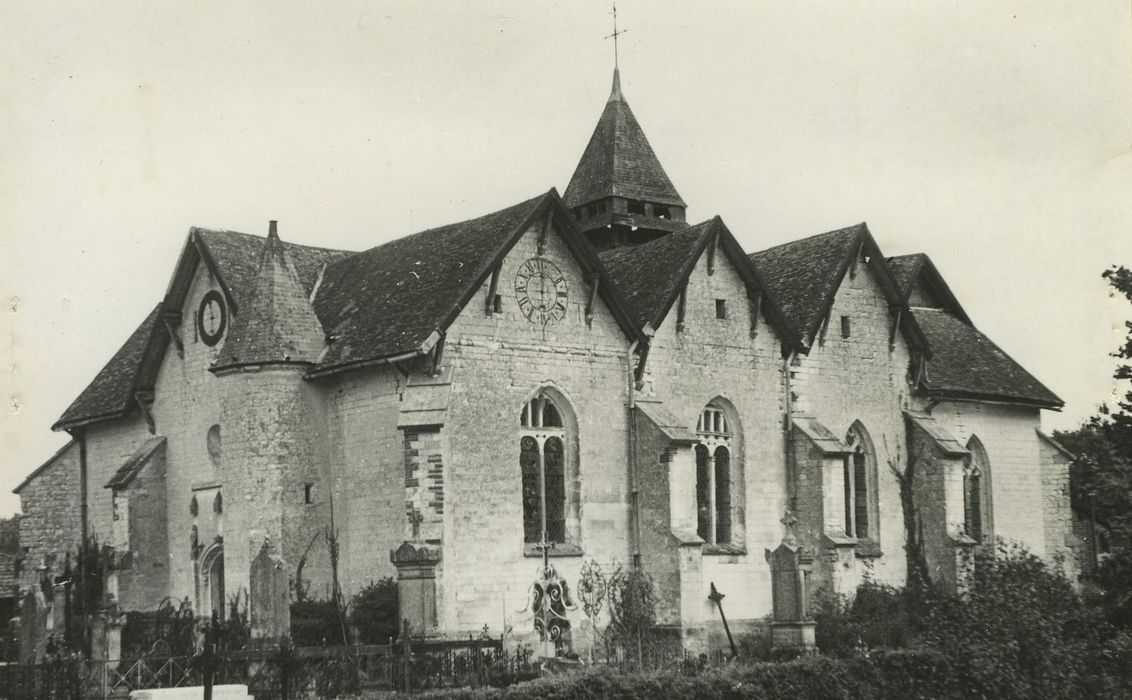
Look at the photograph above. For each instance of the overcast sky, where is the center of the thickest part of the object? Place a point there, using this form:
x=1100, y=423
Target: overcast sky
x=993, y=136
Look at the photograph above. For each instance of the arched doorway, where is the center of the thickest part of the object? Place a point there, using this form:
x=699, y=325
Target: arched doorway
x=212, y=581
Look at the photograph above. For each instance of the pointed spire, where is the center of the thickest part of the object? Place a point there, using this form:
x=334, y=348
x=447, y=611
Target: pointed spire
x=615, y=94
x=618, y=161
x=277, y=324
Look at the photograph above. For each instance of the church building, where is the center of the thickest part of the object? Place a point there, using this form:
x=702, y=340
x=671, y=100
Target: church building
x=585, y=377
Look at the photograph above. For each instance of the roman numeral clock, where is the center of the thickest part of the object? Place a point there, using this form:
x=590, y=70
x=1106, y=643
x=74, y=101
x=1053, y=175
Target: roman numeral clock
x=541, y=290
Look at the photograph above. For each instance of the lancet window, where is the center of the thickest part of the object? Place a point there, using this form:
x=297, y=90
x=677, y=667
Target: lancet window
x=542, y=460
x=860, y=485
x=976, y=502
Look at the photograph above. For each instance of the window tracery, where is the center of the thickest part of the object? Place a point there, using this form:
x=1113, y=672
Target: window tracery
x=543, y=464
x=713, y=475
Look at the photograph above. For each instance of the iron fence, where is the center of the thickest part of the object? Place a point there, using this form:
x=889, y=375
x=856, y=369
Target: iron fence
x=285, y=672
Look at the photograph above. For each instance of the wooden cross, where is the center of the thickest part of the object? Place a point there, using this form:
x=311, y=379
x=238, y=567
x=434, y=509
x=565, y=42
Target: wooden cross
x=615, y=34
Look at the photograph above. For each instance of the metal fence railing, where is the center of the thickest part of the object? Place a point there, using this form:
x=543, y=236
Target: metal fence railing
x=277, y=672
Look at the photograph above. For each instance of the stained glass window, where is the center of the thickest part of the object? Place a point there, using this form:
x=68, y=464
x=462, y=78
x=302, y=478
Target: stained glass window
x=542, y=461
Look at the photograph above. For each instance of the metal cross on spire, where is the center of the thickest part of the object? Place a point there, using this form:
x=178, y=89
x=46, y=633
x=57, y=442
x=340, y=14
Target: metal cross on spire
x=615, y=34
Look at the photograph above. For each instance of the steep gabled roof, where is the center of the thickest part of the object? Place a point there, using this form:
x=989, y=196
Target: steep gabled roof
x=133, y=368
x=965, y=364
x=396, y=298
x=618, y=161
x=232, y=258
x=907, y=270
x=135, y=462
x=51, y=461
x=805, y=274
x=804, y=277
x=651, y=275
x=277, y=324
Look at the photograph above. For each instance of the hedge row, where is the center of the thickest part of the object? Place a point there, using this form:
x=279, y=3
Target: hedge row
x=889, y=674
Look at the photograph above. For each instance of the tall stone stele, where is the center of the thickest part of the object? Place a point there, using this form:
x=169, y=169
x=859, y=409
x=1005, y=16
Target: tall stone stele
x=790, y=565
x=416, y=565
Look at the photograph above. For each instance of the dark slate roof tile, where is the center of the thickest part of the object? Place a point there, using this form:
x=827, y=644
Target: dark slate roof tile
x=388, y=300
x=276, y=323
x=134, y=464
x=904, y=270
x=966, y=364
x=111, y=393
x=803, y=275
x=618, y=161
x=650, y=275
x=237, y=256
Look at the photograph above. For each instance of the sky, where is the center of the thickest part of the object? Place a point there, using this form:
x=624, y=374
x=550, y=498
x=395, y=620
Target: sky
x=995, y=137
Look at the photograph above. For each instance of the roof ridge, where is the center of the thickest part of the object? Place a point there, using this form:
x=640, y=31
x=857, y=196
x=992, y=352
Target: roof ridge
x=289, y=244
x=810, y=238
x=464, y=222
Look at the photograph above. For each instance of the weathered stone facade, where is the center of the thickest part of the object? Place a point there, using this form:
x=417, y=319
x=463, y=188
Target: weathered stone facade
x=411, y=457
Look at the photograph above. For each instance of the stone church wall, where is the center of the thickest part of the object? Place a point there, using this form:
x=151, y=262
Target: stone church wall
x=859, y=378
x=497, y=363
x=143, y=581
x=1013, y=452
x=1057, y=508
x=365, y=472
x=108, y=447
x=50, y=521
x=717, y=358
x=186, y=406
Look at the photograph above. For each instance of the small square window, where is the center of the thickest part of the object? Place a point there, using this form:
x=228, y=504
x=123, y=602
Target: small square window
x=721, y=308
x=845, y=327
x=308, y=493
x=636, y=207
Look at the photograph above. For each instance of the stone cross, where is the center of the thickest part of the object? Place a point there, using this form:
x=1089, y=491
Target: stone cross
x=789, y=535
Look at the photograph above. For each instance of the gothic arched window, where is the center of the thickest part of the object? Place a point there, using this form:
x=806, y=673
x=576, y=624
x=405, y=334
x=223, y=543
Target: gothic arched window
x=713, y=474
x=860, y=485
x=542, y=461
x=976, y=492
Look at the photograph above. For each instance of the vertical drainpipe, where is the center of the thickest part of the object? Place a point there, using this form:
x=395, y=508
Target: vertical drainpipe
x=634, y=486
x=83, y=513
x=787, y=430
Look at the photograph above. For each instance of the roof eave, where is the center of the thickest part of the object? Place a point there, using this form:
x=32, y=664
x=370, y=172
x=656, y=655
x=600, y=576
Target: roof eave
x=983, y=397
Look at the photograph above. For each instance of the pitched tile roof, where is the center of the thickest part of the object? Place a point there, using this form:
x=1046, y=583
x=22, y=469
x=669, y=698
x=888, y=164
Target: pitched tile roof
x=111, y=393
x=392, y=299
x=276, y=324
x=134, y=464
x=650, y=275
x=618, y=161
x=804, y=275
x=233, y=257
x=905, y=269
x=237, y=257
x=966, y=364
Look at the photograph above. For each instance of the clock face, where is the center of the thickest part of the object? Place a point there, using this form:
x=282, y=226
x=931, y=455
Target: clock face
x=212, y=317
x=541, y=291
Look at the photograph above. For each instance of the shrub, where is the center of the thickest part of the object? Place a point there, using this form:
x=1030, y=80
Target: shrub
x=877, y=616
x=315, y=623
x=374, y=612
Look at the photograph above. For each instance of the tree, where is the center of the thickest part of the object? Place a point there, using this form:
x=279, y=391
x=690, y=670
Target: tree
x=1101, y=476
